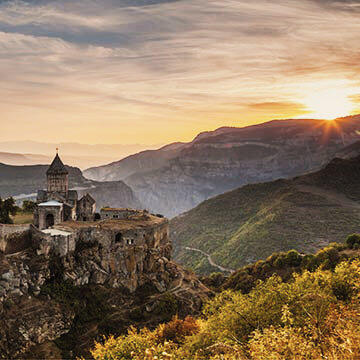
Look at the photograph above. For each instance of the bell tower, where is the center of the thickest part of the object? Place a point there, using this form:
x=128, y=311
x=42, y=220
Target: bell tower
x=57, y=177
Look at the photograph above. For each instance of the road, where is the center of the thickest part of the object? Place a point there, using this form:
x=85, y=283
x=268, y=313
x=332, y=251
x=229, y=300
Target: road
x=211, y=261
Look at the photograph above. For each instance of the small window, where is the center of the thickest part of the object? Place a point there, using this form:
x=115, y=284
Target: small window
x=118, y=237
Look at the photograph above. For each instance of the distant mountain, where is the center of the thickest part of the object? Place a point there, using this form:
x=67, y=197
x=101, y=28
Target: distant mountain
x=24, y=181
x=144, y=161
x=174, y=179
x=23, y=159
x=75, y=154
x=250, y=223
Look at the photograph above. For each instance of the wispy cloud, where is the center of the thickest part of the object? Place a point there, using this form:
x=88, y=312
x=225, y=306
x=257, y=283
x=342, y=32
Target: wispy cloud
x=157, y=70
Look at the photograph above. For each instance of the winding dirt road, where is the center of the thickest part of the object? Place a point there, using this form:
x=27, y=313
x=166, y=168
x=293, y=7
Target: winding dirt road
x=211, y=261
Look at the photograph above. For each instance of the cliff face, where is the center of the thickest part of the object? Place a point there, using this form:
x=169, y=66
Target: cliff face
x=59, y=283
x=113, y=194
x=227, y=158
x=137, y=163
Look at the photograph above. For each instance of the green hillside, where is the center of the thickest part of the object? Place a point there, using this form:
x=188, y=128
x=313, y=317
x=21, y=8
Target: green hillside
x=252, y=222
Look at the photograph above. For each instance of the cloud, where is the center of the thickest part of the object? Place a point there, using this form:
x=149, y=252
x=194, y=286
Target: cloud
x=182, y=66
x=279, y=107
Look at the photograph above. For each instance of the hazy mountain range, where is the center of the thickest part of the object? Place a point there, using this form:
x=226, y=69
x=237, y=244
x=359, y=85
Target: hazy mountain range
x=74, y=154
x=177, y=177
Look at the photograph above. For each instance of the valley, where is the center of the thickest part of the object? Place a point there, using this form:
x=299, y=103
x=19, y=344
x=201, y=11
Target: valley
x=248, y=224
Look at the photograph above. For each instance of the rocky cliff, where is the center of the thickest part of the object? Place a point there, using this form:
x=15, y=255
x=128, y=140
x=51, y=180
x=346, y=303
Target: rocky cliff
x=224, y=159
x=61, y=290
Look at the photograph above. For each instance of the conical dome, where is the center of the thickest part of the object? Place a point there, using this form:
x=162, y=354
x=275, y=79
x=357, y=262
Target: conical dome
x=57, y=167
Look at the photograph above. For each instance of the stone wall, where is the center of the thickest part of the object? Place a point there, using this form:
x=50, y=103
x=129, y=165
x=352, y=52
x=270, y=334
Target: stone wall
x=44, y=211
x=119, y=214
x=14, y=238
x=120, y=258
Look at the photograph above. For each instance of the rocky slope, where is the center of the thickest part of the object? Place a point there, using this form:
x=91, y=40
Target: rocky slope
x=24, y=181
x=141, y=162
x=173, y=181
x=250, y=223
x=57, y=297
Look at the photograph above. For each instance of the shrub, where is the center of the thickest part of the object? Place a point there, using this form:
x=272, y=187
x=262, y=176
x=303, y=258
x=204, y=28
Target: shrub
x=293, y=258
x=176, y=330
x=352, y=240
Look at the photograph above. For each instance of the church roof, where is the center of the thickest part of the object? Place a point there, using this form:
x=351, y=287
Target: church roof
x=57, y=167
x=88, y=198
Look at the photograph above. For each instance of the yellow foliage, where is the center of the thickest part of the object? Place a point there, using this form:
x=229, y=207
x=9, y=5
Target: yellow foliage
x=314, y=316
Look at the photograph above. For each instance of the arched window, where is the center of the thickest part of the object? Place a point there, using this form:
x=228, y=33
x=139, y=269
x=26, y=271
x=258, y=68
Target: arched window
x=118, y=237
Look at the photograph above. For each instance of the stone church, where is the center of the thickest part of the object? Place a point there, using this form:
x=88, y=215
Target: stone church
x=58, y=203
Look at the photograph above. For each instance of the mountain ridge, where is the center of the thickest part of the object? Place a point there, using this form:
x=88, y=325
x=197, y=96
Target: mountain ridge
x=249, y=223
x=172, y=182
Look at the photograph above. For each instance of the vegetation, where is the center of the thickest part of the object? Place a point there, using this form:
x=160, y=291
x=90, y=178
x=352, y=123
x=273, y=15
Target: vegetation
x=307, y=308
x=24, y=214
x=28, y=206
x=7, y=208
x=284, y=265
x=314, y=316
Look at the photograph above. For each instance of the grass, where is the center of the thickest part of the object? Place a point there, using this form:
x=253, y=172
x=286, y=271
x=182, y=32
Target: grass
x=23, y=218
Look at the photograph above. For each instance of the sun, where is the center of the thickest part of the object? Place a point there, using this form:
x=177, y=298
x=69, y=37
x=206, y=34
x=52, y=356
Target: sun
x=329, y=103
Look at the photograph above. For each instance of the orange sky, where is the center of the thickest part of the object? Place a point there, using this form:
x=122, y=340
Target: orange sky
x=157, y=71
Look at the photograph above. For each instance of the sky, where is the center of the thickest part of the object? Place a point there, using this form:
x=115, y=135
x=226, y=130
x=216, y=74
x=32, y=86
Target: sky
x=158, y=71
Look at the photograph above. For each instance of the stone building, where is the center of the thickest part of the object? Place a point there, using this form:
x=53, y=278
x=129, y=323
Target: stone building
x=108, y=213
x=57, y=203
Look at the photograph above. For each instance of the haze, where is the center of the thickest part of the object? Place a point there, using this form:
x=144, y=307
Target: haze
x=157, y=71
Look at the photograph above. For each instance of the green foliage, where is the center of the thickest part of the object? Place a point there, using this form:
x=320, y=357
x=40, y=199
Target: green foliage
x=28, y=206
x=7, y=208
x=285, y=265
x=255, y=221
x=167, y=306
x=353, y=241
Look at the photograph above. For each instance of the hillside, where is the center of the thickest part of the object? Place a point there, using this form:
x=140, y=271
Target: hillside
x=24, y=181
x=141, y=162
x=175, y=179
x=250, y=223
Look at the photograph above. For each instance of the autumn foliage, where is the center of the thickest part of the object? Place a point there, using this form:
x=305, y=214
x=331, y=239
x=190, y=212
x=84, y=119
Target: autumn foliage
x=316, y=315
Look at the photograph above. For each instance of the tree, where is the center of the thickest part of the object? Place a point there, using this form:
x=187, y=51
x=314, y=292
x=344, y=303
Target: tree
x=7, y=208
x=28, y=206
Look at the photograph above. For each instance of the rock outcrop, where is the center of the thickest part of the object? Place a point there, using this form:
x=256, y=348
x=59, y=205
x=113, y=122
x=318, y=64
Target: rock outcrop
x=125, y=263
